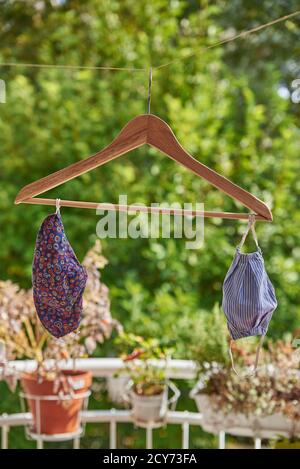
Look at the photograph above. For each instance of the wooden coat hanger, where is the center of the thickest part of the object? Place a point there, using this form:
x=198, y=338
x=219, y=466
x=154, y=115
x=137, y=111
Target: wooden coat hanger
x=144, y=129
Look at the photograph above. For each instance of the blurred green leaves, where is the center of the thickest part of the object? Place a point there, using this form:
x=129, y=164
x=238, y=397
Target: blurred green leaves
x=224, y=107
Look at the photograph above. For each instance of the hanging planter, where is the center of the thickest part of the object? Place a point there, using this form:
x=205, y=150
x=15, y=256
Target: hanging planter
x=55, y=405
x=152, y=408
x=241, y=424
x=263, y=402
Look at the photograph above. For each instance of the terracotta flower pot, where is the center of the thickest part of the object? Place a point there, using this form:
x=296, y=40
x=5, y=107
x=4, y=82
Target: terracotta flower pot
x=56, y=416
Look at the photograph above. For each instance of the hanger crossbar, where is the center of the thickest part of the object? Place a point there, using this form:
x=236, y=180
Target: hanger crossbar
x=142, y=208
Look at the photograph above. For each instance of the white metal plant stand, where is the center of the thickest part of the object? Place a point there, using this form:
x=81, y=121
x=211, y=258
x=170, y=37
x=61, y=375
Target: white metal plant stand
x=107, y=367
x=33, y=429
x=41, y=438
x=149, y=410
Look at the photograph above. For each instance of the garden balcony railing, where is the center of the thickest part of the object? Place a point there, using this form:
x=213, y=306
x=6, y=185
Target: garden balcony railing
x=108, y=367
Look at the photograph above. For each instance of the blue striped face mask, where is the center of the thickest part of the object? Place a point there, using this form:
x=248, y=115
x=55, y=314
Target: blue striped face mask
x=248, y=295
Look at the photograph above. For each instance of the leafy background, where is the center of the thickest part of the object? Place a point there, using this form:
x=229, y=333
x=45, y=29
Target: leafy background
x=230, y=107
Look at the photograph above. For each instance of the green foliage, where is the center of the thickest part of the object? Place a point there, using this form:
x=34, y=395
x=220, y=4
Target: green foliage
x=139, y=357
x=224, y=108
x=271, y=389
x=223, y=105
x=132, y=346
x=286, y=443
x=207, y=338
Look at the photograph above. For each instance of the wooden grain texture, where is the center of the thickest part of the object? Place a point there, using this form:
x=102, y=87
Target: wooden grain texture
x=141, y=208
x=151, y=130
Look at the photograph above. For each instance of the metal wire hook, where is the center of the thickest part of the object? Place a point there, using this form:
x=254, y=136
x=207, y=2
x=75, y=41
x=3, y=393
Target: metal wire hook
x=149, y=89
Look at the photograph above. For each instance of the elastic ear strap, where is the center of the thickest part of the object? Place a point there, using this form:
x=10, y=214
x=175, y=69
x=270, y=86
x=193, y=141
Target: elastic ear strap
x=254, y=234
x=231, y=358
x=256, y=357
x=251, y=223
x=57, y=205
x=258, y=352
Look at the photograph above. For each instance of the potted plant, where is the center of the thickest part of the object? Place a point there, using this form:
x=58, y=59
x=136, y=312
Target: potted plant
x=147, y=390
x=54, y=395
x=266, y=403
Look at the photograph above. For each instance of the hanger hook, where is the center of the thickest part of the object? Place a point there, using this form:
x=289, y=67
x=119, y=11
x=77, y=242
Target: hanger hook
x=57, y=204
x=149, y=89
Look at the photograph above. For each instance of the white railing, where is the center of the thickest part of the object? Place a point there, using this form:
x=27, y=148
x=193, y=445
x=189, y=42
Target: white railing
x=107, y=367
x=113, y=417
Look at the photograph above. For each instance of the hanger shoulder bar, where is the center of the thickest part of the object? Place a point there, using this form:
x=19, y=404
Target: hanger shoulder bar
x=162, y=137
x=132, y=136
x=141, y=208
x=150, y=129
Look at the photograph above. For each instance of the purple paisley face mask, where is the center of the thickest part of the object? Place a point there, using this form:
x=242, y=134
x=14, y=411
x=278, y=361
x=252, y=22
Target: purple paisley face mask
x=58, y=279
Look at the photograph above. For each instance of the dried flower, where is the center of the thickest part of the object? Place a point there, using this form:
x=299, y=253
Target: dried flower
x=274, y=388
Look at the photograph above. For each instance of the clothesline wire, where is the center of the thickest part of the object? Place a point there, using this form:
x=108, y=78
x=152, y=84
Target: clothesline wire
x=134, y=69
x=70, y=67
x=232, y=38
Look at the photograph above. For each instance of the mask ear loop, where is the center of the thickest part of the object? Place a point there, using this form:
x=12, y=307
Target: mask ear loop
x=256, y=357
x=251, y=223
x=57, y=204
